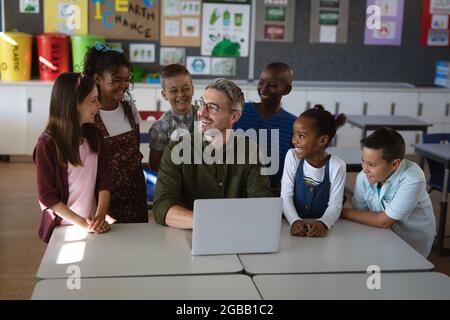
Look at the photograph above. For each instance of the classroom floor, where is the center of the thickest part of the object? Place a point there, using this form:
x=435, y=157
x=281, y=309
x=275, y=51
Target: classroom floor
x=21, y=250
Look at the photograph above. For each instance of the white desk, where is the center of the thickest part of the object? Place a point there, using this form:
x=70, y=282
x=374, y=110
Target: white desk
x=414, y=285
x=439, y=152
x=348, y=247
x=128, y=250
x=212, y=287
x=399, y=123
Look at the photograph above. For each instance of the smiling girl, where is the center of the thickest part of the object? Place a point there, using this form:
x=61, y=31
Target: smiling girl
x=71, y=159
x=313, y=181
x=118, y=121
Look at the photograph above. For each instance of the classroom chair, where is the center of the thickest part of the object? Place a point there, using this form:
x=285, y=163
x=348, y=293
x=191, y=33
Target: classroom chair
x=436, y=180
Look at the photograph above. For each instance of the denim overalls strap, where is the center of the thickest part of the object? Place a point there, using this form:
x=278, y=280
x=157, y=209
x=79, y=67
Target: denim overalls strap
x=310, y=201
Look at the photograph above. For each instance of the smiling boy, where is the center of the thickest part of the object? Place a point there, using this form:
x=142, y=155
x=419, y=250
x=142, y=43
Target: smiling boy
x=390, y=192
x=178, y=90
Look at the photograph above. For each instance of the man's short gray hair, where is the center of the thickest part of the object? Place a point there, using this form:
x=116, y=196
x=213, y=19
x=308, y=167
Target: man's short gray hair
x=231, y=90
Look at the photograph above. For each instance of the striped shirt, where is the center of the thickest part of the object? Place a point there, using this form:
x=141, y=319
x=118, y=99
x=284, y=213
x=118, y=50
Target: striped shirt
x=282, y=120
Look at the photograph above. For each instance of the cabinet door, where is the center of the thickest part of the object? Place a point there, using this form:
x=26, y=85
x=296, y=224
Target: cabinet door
x=13, y=119
x=294, y=102
x=405, y=104
x=348, y=102
x=432, y=107
x=378, y=103
x=251, y=95
x=38, y=101
x=447, y=111
x=145, y=98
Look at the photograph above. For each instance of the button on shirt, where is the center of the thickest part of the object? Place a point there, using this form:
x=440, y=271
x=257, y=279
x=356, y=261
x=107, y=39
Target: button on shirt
x=161, y=131
x=403, y=197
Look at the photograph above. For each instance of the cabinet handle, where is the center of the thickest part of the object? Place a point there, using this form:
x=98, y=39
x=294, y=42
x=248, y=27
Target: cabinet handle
x=29, y=105
x=392, y=108
x=447, y=109
x=365, y=107
x=158, y=105
x=420, y=109
x=336, y=107
x=308, y=105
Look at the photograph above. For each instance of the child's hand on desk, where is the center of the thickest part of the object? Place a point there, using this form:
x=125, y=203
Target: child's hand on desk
x=299, y=228
x=98, y=225
x=316, y=229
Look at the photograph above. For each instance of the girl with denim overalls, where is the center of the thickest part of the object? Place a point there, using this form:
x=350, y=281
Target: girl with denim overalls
x=313, y=181
x=118, y=121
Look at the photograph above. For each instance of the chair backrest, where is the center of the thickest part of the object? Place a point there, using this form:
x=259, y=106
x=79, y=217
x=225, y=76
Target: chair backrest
x=436, y=169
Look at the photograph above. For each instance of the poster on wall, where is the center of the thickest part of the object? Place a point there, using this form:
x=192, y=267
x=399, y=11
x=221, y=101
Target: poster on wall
x=329, y=21
x=142, y=52
x=181, y=23
x=198, y=65
x=66, y=16
x=390, y=31
x=223, y=67
x=124, y=19
x=276, y=20
x=29, y=6
x=172, y=55
x=435, y=29
x=225, y=28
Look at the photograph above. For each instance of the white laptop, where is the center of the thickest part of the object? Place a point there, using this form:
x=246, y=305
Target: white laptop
x=230, y=226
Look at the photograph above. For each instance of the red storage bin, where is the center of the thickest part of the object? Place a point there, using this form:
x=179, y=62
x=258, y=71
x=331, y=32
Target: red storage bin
x=53, y=55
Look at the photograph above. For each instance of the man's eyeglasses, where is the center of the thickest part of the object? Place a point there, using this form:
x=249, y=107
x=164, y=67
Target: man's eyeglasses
x=211, y=108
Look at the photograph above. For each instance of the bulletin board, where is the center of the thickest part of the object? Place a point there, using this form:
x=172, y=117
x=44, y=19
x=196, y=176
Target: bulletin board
x=353, y=61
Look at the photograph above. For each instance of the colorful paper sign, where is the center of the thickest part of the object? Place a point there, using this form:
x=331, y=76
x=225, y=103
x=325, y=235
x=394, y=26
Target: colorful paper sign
x=172, y=55
x=66, y=16
x=198, y=65
x=435, y=31
x=124, y=19
x=389, y=32
x=142, y=52
x=225, y=29
x=223, y=67
x=29, y=6
x=180, y=23
x=329, y=21
x=277, y=20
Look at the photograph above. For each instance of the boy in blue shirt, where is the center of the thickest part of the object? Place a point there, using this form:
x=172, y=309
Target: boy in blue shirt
x=390, y=192
x=274, y=82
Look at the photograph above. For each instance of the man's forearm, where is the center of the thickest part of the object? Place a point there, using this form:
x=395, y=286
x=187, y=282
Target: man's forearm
x=179, y=217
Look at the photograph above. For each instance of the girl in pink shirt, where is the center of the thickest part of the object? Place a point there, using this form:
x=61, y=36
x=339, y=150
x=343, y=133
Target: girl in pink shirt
x=73, y=172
